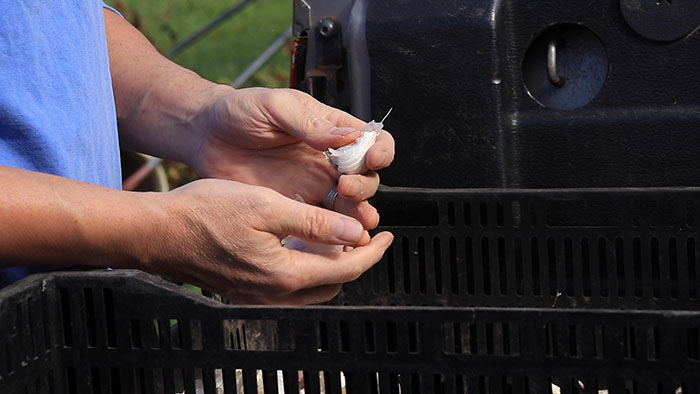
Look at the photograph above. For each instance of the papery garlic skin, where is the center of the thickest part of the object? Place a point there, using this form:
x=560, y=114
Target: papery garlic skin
x=302, y=245
x=351, y=159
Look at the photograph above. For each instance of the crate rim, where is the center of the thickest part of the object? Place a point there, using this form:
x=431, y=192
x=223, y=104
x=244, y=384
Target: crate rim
x=155, y=281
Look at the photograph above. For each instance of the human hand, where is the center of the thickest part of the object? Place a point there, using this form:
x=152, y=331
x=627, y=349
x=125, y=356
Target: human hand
x=274, y=138
x=225, y=237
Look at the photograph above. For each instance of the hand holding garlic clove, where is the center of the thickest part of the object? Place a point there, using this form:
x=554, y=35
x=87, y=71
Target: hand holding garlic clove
x=351, y=159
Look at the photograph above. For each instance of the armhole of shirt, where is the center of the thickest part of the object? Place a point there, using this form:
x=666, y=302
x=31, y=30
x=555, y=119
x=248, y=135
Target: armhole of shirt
x=112, y=9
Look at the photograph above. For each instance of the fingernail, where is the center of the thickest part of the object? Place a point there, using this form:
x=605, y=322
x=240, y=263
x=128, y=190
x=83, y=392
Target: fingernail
x=349, y=230
x=342, y=130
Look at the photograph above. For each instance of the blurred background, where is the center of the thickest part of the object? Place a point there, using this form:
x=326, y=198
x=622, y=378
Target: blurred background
x=220, y=55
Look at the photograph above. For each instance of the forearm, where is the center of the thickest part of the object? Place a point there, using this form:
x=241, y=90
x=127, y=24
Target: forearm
x=157, y=101
x=46, y=219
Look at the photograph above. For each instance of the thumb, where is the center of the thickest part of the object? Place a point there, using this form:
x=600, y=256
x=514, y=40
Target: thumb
x=316, y=224
x=305, y=124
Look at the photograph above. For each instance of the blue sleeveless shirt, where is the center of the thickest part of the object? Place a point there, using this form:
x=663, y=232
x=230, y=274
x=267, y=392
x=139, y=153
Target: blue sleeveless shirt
x=57, y=111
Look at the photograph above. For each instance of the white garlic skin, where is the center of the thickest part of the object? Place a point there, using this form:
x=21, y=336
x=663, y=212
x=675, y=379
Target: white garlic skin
x=351, y=159
x=302, y=245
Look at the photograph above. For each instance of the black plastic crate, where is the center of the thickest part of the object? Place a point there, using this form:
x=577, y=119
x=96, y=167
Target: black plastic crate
x=581, y=248
x=493, y=318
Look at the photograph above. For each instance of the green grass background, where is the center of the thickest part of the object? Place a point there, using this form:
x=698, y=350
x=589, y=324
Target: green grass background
x=226, y=51
x=223, y=53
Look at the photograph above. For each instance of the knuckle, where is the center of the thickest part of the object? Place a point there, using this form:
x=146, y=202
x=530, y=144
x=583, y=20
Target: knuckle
x=260, y=209
x=262, y=203
x=317, y=226
x=275, y=98
x=345, y=182
x=360, y=189
x=315, y=123
x=265, y=197
x=348, y=186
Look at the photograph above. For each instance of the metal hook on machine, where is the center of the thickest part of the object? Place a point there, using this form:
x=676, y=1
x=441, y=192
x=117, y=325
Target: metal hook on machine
x=554, y=77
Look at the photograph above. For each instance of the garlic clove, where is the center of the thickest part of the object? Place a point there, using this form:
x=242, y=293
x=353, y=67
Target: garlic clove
x=351, y=159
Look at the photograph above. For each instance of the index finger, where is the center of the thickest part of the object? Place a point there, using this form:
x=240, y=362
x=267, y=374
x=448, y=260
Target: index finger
x=337, y=117
x=343, y=119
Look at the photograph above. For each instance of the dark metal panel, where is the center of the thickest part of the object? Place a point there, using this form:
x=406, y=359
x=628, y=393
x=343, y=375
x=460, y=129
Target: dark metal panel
x=462, y=117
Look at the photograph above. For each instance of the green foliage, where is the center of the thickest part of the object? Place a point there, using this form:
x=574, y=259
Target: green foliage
x=225, y=52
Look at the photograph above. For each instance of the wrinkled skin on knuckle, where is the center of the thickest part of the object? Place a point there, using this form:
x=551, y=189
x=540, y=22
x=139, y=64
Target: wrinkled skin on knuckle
x=315, y=123
x=316, y=226
x=258, y=208
x=253, y=109
x=266, y=196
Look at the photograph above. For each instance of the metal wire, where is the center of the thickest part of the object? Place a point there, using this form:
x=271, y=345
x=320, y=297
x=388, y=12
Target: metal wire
x=207, y=28
x=263, y=58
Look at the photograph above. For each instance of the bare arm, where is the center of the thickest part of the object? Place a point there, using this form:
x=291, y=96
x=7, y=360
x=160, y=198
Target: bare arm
x=45, y=219
x=157, y=100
